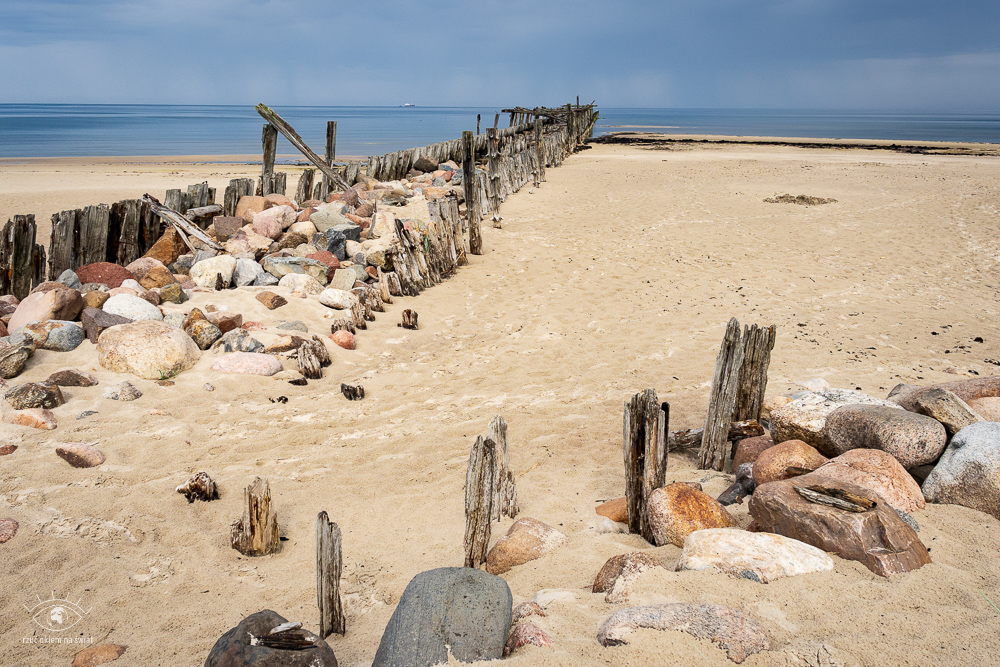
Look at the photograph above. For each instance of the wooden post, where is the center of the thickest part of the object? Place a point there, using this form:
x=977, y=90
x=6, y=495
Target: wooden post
x=493, y=173
x=330, y=156
x=644, y=447
x=256, y=534
x=304, y=189
x=471, y=188
x=712, y=454
x=504, y=491
x=237, y=188
x=496, y=120
x=22, y=254
x=269, y=140
x=289, y=132
x=409, y=319
x=329, y=563
x=479, y=117
x=757, y=345
x=540, y=148
x=479, y=500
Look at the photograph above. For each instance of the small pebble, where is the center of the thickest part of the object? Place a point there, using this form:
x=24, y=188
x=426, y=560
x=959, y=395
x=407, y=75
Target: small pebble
x=86, y=413
x=209, y=386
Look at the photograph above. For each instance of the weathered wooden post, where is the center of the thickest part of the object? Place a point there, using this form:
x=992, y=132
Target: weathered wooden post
x=329, y=563
x=256, y=534
x=479, y=117
x=409, y=319
x=304, y=189
x=540, y=148
x=712, y=454
x=471, y=188
x=479, y=494
x=752, y=385
x=22, y=252
x=330, y=155
x=293, y=137
x=493, y=172
x=237, y=188
x=269, y=140
x=644, y=447
x=496, y=120
x=504, y=491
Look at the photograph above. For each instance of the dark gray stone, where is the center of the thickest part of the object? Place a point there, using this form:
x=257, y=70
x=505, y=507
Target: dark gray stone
x=912, y=439
x=236, y=649
x=351, y=232
x=70, y=279
x=238, y=340
x=95, y=321
x=332, y=241
x=182, y=266
x=425, y=164
x=464, y=609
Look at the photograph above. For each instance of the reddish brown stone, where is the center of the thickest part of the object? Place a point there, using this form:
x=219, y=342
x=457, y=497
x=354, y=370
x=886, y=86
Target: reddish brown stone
x=57, y=304
x=785, y=460
x=107, y=273
x=526, y=609
x=79, y=455
x=327, y=258
x=878, y=471
x=167, y=249
x=616, y=510
x=344, y=339
x=8, y=529
x=70, y=377
x=271, y=300
x=7, y=449
x=98, y=655
x=617, y=573
x=526, y=633
x=525, y=541
x=748, y=449
x=247, y=206
x=677, y=510
x=305, y=213
x=226, y=321
x=275, y=199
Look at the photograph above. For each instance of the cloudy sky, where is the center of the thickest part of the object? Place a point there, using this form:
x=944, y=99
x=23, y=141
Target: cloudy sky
x=868, y=54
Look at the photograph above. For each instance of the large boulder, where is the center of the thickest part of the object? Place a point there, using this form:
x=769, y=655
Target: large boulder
x=62, y=303
x=206, y=272
x=104, y=273
x=946, y=407
x=677, y=510
x=761, y=557
x=457, y=610
x=912, y=439
x=968, y=473
x=803, y=418
x=240, y=646
x=149, y=349
x=736, y=633
x=972, y=391
x=876, y=470
x=785, y=460
x=526, y=540
x=132, y=307
x=248, y=205
x=877, y=538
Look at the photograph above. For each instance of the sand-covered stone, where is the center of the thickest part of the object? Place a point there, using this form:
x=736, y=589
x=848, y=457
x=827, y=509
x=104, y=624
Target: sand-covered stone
x=524, y=634
x=618, y=574
x=803, y=418
x=13, y=359
x=122, y=391
x=149, y=349
x=677, y=510
x=247, y=363
x=8, y=529
x=271, y=300
x=911, y=438
x=98, y=655
x=240, y=646
x=206, y=273
x=39, y=418
x=80, y=455
x=71, y=377
x=968, y=473
x=761, y=557
x=344, y=339
x=280, y=267
x=785, y=460
x=338, y=299
x=881, y=472
x=300, y=282
x=616, y=510
x=526, y=540
x=6, y=449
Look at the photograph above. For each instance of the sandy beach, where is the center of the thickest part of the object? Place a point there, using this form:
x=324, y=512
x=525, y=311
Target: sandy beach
x=617, y=274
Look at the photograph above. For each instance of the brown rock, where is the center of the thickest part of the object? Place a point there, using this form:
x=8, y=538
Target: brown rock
x=785, y=460
x=748, y=449
x=875, y=470
x=225, y=226
x=79, y=455
x=284, y=344
x=70, y=377
x=98, y=655
x=362, y=222
x=158, y=276
x=152, y=296
x=3, y=330
x=196, y=315
x=616, y=577
x=327, y=258
x=8, y=529
x=305, y=213
x=372, y=272
x=167, y=248
x=913, y=439
x=526, y=609
x=9, y=300
x=616, y=510
x=944, y=406
x=677, y=510
x=34, y=395
x=526, y=633
x=987, y=407
x=247, y=206
x=95, y=299
x=877, y=538
x=55, y=304
x=95, y=321
x=140, y=267
x=107, y=273
x=271, y=300
x=7, y=449
x=274, y=199
x=344, y=339
x=288, y=241
x=525, y=541
x=365, y=210
x=35, y=418
x=226, y=321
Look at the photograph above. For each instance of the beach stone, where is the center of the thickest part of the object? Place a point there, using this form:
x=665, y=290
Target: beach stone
x=95, y=321
x=300, y=282
x=677, y=510
x=173, y=293
x=247, y=242
x=39, y=418
x=350, y=231
x=337, y=298
x=168, y=247
x=616, y=510
x=343, y=279
x=271, y=300
x=70, y=279
x=987, y=407
x=913, y=439
x=79, y=455
x=526, y=609
x=7, y=449
x=8, y=529
x=95, y=299
x=328, y=258
x=13, y=358
x=56, y=335
x=618, y=574
x=226, y=321
x=273, y=221
x=785, y=460
x=878, y=471
x=970, y=391
x=739, y=635
x=33, y=395
x=968, y=473
x=204, y=334
x=105, y=273
x=246, y=272
x=803, y=419
x=132, y=285
x=123, y=290
x=123, y=391
x=182, y=265
x=247, y=206
x=140, y=267
x=328, y=216
x=293, y=325
x=344, y=339
x=946, y=407
x=71, y=377
x=383, y=225
x=225, y=226
x=57, y=304
x=239, y=648
x=98, y=655
x=205, y=272
x=748, y=449
x=152, y=296
x=333, y=242
x=425, y=164
x=148, y=349
x=526, y=540
x=280, y=267
x=284, y=344
x=247, y=363
x=878, y=539
x=760, y=557
x=157, y=277
x=304, y=226
x=238, y=340
x=524, y=634
x=276, y=199
x=132, y=308
x=462, y=611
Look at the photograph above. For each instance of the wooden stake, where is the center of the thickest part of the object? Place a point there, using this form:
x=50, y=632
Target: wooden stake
x=479, y=500
x=329, y=564
x=757, y=345
x=712, y=454
x=504, y=492
x=330, y=155
x=409, y=319
x=471, y=187
x=540, y=149
x=293, y=137
x=644, y=447
x=304, y=189
x=269, y=141
x=493, y=173
x=479, y=117
x=256, y=534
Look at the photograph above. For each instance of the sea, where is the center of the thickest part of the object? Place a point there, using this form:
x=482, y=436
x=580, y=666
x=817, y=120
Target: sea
x=82, y=130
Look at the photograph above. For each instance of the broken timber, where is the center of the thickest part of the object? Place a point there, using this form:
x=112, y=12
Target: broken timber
x=329, y=563
x=282, y=126
x=479, y=493
x=504, y=492
x=256, y=534
x=644, y=447
x=712, y=454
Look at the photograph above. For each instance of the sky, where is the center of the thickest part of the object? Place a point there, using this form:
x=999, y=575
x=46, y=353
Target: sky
x=941, y=55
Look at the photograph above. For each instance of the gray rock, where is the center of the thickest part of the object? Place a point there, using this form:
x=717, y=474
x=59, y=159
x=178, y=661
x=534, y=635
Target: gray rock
x=13, y=358
x=911, y=439
x=968, y=473
x=456, y=178
x=344, y=279
x=123, y=391
x=265, y=279
x=133, y=284
x=333, y=242
x=238, y=340
x=69, y=279
x=202, y=255
x=329, y=216
x=246, y=272
x=240, y=647
x=439, y=182
x=803, y=419
x=944, y=406
x=182, y=266
x=34, y=395
x=56, y=335
x=175, y=319
x=464, y=609
x=359, y=271
x=350, y=231
x=294, y=325
x=282, y=266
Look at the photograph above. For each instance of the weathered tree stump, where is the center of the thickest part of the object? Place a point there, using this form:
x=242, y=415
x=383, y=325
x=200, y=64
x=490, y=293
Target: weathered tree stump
x=644, y=447
x=712, y=454
x=409, y=319
x=352, y=392
x=479, y=493
x=329, y=563
x=309, y=364
x=383, y=286
x=256, y=534
x=342, y=325
x=504, y=491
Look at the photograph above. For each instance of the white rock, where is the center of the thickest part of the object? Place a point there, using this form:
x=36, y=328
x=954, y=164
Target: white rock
x=305, y=227
x=383, y=224
x=132, y=307
x=204, y=272
x=547, y=596
x=133, y=284
x=337, y=298
x=737, y=552
x=353, y=248
x=300, y=282
x=152, y=350
x=246, y=272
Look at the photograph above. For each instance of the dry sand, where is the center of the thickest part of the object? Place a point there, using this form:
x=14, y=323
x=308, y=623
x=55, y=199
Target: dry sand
x=617, y=274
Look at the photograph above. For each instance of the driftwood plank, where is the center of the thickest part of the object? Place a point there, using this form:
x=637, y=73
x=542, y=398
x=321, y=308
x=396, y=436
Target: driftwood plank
x=282, y=126
x=712, y=454
x=180, y=223
x=237, y=188
x=691, y=438
x=329, y=563
x=22, y=254
x=256, y=534
x=479, y=500
x=644, y=448
x=504, y=491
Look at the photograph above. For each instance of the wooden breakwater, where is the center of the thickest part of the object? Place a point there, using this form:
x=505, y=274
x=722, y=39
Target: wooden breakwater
x=124, y=231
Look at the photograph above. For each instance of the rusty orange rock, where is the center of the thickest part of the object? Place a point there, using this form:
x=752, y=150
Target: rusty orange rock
x=786, y=460
x=678, y=509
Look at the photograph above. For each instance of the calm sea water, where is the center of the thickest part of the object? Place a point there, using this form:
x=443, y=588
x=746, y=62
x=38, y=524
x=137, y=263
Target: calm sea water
x=50, y=130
